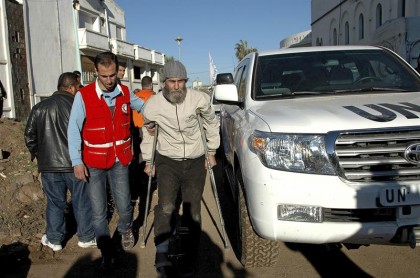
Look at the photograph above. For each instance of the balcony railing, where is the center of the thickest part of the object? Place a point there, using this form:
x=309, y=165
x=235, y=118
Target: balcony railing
x=89, y=39
x=159, y=58
x=142, y=54
x=122, y=48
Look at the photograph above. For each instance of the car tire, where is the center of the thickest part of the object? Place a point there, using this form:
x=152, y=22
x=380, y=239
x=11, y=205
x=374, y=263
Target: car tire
x=253, y=250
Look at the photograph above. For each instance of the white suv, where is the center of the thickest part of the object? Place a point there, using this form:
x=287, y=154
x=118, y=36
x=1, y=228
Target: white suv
x=322, y=145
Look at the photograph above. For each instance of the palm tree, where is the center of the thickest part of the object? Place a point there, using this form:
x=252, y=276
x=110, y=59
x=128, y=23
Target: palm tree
x=242, y=49
x=169, y=58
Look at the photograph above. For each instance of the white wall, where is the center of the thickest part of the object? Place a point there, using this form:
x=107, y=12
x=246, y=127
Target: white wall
x=51, y=43
x=5, y=75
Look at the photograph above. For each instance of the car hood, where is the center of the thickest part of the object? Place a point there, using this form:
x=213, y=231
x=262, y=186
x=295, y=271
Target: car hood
x=342, y=112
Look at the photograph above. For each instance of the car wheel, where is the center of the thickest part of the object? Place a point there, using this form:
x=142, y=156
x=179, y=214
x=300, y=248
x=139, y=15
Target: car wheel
x=253, y=250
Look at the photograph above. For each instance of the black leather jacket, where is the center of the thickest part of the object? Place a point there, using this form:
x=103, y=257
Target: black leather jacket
x=46, y=133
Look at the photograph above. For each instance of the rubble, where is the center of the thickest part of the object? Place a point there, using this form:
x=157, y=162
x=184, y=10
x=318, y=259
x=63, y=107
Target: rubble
x=22, y=201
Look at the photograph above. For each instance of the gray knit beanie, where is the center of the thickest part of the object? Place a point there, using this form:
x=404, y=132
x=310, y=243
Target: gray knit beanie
x=174, y=69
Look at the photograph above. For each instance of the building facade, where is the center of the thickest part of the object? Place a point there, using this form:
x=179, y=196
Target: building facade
x=101, y=27
x=13, y=60
x=64, y=35
x=297, y=40
x=394, y=24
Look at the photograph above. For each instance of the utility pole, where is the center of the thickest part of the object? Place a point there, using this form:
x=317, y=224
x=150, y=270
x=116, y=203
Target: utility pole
x=179, y=40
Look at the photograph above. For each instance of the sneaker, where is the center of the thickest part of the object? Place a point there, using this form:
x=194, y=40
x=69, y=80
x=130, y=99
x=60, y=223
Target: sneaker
x=54, y=247
x=127, y=240
x=87, y=244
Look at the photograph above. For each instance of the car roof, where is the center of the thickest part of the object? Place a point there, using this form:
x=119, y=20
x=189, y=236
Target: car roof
x=316, y=49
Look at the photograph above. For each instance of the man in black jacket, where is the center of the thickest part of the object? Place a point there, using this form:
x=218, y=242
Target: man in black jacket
x=46, y=139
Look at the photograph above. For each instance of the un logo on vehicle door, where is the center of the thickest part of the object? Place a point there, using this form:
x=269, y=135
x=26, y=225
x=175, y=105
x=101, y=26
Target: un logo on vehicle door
x=412, y=153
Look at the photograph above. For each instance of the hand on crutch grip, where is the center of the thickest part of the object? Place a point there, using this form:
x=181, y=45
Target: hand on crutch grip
x=148, y=169
x=151, y=128
x=212, y=161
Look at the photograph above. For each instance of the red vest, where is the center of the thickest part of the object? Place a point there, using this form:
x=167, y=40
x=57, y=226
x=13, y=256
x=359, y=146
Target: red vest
x=106, y=136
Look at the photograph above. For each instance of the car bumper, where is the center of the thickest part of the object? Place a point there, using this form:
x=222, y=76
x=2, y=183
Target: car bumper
x=350, y=212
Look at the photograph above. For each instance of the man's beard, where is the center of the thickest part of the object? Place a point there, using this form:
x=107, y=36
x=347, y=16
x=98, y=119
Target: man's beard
x=175, y=96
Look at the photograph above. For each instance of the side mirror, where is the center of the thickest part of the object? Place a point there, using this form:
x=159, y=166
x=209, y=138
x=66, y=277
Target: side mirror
x=224, y=78
x=226, y=93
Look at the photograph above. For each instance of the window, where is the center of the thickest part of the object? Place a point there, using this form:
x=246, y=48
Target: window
x=241, y=79
x=18, y=53
x=119, y=33
x=342, y=71
x=401, y=8
x=137, y=72
x=103, y=26
x=89, y=22
x=361, y=27
x=346, y=33
x=378, y=16
x=318, y=41
x=16, y=37
x=335, y=38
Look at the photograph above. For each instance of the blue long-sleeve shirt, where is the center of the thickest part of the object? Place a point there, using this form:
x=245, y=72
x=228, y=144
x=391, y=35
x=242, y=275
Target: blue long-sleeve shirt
x=78, y=116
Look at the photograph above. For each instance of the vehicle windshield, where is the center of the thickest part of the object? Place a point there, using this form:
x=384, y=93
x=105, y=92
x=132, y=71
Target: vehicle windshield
x=327, y=72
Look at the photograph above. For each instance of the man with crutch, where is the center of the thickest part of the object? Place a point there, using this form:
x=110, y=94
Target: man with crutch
x=180, y=162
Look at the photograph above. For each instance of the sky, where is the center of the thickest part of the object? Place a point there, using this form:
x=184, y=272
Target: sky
x=212, y=26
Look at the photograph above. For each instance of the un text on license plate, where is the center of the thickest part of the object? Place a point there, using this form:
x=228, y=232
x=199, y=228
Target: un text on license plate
x=399, y=196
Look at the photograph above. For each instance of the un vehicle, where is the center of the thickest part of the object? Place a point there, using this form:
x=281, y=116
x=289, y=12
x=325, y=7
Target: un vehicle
x=322, y=145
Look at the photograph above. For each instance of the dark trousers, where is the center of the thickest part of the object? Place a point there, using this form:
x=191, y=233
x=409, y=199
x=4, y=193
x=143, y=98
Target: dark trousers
x=187, y=177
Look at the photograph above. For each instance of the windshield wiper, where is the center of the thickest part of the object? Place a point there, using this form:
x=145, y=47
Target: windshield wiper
x=373, y=89
x=313, y=93
x=291, y=94
x=302, y=93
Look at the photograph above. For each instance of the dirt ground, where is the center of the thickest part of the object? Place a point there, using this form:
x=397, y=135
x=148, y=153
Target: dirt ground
x=21, y=198
x=22, y=224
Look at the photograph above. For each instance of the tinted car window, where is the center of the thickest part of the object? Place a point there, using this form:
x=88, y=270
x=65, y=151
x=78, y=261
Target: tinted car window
x=327, y=72
x=240, y=79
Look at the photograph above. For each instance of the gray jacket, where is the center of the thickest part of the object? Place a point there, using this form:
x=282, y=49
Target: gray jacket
x=179, y=134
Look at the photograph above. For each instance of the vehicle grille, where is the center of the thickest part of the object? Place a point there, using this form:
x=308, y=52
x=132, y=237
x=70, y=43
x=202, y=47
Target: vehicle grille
x=359, y=215
x=377, y=156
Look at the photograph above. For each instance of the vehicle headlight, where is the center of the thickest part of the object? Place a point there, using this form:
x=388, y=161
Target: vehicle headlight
x=292, y=152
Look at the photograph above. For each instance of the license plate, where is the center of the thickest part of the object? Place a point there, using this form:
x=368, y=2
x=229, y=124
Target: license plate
x=399, y=196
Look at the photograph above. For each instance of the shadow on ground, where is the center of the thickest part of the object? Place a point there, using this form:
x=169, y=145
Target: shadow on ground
x=125, y=266
x=328, y=260
x=14, y=260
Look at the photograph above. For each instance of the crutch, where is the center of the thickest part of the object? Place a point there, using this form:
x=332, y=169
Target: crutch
x=212, y=179
x=149, y=184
